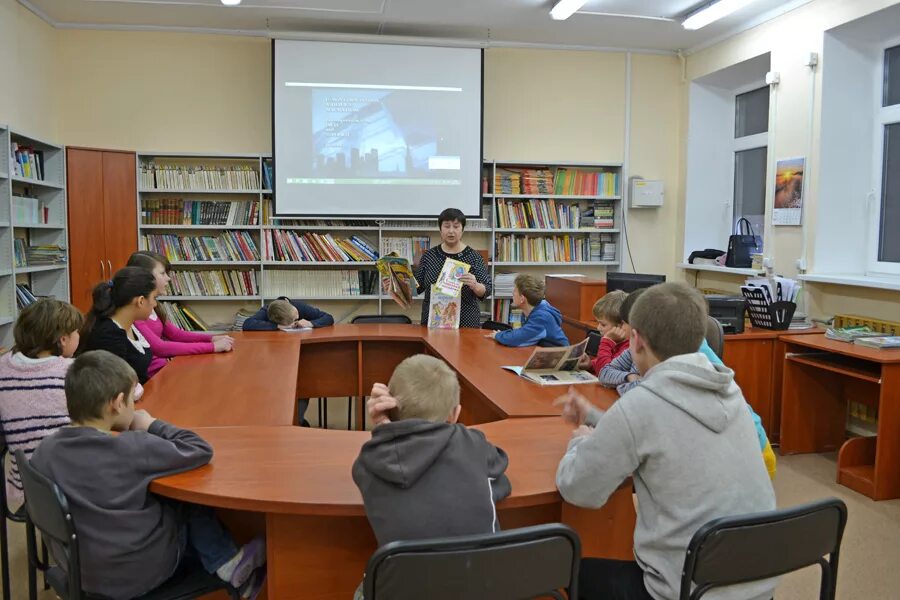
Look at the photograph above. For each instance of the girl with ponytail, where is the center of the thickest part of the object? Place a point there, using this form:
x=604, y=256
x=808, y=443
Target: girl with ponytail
x=166, y=339
x=128, y=297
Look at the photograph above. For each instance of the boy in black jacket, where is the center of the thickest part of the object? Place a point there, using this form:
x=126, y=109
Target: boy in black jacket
x=422, y=474
x=285, y=313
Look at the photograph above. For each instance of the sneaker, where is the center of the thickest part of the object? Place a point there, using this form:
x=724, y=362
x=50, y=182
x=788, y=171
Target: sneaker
x=254, y=585
x=254, y=556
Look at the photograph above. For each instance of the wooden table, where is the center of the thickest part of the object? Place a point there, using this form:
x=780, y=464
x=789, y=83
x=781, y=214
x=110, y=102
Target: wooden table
x=294, y=484
x=820, y=377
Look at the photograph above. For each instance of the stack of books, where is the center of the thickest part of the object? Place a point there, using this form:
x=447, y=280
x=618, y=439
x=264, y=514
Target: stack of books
x=213, y=283
x=576, y=182
x=177, y=211
x=850, y=334
x=26, y=162
x=198, y=177
x=24, y=297
x=537, y=214
x=601, y=215
x=27, y=210
x=603, y=247
x=537, y=181
x=503, y=284
x=228, y=245
x=885, y=341
x=35, y=256
x=182, y=316
x=321, y=284
x=507, y=182
x=410, y=248
x=282, y=245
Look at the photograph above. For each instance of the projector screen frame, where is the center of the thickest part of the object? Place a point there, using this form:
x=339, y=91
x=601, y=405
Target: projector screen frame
x=385, y=217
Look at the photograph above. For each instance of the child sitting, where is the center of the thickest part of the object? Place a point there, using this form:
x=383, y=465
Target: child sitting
x=284, y=313
x=32, y=398
x=608, y=312
x=422, y=474
x=543, y=323
x=129, y=540
x=684, y=436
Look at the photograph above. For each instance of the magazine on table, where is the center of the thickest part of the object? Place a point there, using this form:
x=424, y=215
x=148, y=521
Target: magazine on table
x=555, y=366
x=443, y=310
x=397, y=278
x=448, y=280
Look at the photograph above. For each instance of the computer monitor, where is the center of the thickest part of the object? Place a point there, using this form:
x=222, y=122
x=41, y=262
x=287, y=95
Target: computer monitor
x=628, y=282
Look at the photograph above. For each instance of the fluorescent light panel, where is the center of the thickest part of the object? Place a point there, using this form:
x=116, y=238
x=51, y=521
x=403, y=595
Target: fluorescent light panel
x=713, y=12
x=564, y=9
x=231, y=2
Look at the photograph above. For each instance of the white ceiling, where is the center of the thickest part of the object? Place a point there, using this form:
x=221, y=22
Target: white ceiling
x=482, y=22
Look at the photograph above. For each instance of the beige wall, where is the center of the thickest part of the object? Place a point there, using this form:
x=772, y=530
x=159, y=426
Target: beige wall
x=789, y=39
x=29, y=92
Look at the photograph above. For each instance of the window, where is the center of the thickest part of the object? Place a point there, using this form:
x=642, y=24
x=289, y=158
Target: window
x=751, y=126
x=886, y=216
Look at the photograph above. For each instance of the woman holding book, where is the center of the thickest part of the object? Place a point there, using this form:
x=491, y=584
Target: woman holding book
x=476, y=283
x=166, y=339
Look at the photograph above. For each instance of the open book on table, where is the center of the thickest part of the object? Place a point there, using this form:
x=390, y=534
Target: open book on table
x=397, y=278
x=555, y=366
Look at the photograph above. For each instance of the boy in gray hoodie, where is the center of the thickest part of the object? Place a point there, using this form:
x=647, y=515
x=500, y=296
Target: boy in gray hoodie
x=687, y=439
x=423, y=474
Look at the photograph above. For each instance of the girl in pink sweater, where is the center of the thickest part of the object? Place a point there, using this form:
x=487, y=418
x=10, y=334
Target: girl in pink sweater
x=166, y=339
x=32, y=375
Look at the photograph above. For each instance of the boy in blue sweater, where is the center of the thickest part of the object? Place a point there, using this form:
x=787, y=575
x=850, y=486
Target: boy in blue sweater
x=543, y=323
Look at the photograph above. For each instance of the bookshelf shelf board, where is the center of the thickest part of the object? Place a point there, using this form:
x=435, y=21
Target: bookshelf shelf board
x=319, y=263
x=187, y=263
x=6, y=320
x=861, y=428
x=432, y=229
x=5, y=272
x=39, y=268
x=180, y=191
x=265, y=191
x=487, y=195
x=718, y=269
x=38, y=226
x=38, y=182
x=598, y=263
x=323, y=227
x=553, y=197
x=525, y=230
x=335, y=298
x=28, y=140
x=4, y=223
x=4, y=175
x=838, y=364
x=502, y=296
x=219, y=227
x=539, y=163
x=207, y=298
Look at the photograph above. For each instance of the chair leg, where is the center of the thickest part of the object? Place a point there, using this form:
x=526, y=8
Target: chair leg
x=45, y=559
x=4, y=552
x=31, y=546
x=320, y=403
x=349, y=413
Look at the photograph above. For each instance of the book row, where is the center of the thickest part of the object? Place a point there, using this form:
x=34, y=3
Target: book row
x=24, y=297
x=539, y=214
x=182, y=316
x=228, y=245
x=564, y=181
x=557, y=248
x=305, y=284
x=410, y=248
x=314, y=247
x=26, y=162
x=178, y=211
x=198, y=177
x=213, y=283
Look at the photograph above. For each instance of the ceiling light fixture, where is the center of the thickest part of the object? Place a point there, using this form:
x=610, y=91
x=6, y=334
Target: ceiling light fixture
x=713, y=12
x=564, y=9
x=231, y=2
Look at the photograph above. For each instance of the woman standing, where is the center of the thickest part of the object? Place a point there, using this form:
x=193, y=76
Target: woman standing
x=476, y=283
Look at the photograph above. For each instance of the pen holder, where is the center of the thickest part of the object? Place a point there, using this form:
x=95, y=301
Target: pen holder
x=763, y=315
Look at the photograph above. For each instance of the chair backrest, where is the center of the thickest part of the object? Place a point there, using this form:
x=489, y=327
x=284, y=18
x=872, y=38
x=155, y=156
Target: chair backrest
x=593, y=344
x=48, y=511
x=399, y=319
x=715, y=335
x=520, y=563
x=495, y=326
x=747, y=548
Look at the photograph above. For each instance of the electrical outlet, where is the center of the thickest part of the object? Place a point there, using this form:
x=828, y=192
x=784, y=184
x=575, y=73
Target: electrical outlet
x=768, y=262
x=801, y=264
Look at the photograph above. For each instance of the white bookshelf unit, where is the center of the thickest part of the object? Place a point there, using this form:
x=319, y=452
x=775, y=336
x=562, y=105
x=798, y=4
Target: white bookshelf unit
x=327, y=280
x=33, y=210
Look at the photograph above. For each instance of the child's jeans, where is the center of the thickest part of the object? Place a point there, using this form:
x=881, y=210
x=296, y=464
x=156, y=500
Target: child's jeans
x=203, y=536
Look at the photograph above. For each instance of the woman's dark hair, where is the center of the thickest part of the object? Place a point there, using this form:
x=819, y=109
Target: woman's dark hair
x=452, y=214
x=146, y=259
x=126, y=285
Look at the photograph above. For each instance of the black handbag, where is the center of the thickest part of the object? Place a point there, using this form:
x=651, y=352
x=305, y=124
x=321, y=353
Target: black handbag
x=742, y=244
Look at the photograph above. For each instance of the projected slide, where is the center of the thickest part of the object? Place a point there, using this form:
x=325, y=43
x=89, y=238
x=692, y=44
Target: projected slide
x=359, y=135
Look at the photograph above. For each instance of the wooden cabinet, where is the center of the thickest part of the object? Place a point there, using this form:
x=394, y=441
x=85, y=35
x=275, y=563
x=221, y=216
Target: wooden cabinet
x=102, y=189
x=574, y=297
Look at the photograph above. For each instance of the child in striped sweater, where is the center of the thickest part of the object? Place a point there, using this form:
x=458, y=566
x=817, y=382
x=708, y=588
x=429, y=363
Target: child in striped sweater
x=32, y=398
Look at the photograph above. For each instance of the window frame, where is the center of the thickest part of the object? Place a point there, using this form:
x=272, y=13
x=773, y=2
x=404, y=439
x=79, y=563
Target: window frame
x=884, y=116
x=755, y=141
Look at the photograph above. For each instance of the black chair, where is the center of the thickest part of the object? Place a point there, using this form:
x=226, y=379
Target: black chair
x=593, y=344
x=495, y=326
x=747, y=548
x=715, y=335
x=48, y=511
x=520, y=563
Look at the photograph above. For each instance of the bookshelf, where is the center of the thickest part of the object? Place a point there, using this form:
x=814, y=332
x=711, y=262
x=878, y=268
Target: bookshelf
x=32, y=214
x=344, y=281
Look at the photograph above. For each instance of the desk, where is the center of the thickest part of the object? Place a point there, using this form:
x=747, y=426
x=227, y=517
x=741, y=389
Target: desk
x=820, y=377
x=294, y=483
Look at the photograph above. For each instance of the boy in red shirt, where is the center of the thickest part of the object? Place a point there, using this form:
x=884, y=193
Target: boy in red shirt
x=607, y=311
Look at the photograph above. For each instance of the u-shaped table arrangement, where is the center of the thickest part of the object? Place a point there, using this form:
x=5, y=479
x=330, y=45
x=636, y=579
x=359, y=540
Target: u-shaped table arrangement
x=294, y=484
